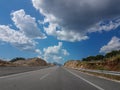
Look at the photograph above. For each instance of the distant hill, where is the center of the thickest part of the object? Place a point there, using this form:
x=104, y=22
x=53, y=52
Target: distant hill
x=25, y=62
x=31, y=62
x=5, y=63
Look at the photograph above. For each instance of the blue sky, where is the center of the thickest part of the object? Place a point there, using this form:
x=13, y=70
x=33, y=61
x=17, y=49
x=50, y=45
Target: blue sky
x=28, y=28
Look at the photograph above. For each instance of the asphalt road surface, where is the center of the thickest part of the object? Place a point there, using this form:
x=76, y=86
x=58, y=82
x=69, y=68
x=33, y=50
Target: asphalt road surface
x=13, y=70
x=56, y=78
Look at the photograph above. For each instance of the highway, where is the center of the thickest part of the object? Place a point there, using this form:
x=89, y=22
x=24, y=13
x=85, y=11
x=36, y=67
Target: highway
x=13, y=70
x=56, y=78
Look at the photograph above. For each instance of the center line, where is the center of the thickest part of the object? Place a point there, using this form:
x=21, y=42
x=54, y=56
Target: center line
x=44, y=76
x=47, y=74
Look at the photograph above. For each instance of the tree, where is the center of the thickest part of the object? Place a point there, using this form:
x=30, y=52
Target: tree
x=17, y=58
x=111, y=54
x=90, y=58
x=99, y=57
x=93, y=58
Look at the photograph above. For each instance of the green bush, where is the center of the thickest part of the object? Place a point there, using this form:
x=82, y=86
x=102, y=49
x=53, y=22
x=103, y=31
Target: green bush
x=17, y=58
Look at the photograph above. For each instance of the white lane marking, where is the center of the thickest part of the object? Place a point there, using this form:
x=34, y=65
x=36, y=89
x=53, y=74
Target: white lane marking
x=101, y=77
x=44, y=76
x=48, y=74
x=85, y=80
x=14, y=75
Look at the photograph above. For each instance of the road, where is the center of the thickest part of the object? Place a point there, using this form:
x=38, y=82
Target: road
x=13, y=70
x=56, y=78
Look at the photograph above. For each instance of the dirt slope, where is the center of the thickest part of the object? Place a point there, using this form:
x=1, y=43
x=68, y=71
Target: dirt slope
x=112, y=64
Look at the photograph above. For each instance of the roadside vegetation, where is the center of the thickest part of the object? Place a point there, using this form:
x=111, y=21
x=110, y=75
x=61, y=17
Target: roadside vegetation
x=109, y=61
x=107, y=56
x=17, y=59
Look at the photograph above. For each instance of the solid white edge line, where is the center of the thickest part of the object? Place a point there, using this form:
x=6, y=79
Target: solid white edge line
x=13, y=75
x=85, y=80
x=101, y=77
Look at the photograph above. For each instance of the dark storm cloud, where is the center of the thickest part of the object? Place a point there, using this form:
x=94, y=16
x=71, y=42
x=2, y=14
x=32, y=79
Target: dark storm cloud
x=79, y=15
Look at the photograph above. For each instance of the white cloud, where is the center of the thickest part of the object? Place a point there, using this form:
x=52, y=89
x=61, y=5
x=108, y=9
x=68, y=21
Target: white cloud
x=16, y=38
x=78, y=18
x=66, y=35
x=57, y=58
x=53, y=49
x=114, y=44
x=102, y=26
x=26, y=24
x=38, y=51
x=55, y=53
x=65, y=52
x=24, y=37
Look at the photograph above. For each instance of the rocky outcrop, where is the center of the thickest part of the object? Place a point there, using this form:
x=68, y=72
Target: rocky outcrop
x=71, y=63
x=112, y=64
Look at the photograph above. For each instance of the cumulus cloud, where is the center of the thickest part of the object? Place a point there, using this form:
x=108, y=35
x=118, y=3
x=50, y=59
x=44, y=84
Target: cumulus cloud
x=65, y=52
x=78, y=18
x=15, y=38
x=105, y=26
x=55, y=52
x=26, y=33
x=66, y=35
x=38, y=51
x=114, y=44
x=26, y=24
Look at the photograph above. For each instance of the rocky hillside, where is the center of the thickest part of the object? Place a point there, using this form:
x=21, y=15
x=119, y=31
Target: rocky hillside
x=3, y=63
x=31, y=62
x=112, y=63
x=72, y=63
x=28, y=62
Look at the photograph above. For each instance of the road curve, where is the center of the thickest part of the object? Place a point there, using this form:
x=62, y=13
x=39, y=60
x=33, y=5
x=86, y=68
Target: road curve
x=56, y=78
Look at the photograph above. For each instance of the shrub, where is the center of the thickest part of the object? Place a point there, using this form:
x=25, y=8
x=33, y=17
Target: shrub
x=17, y=58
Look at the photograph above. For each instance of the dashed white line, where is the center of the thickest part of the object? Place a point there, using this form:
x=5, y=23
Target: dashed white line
x=47, y=74
x=44, y=76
